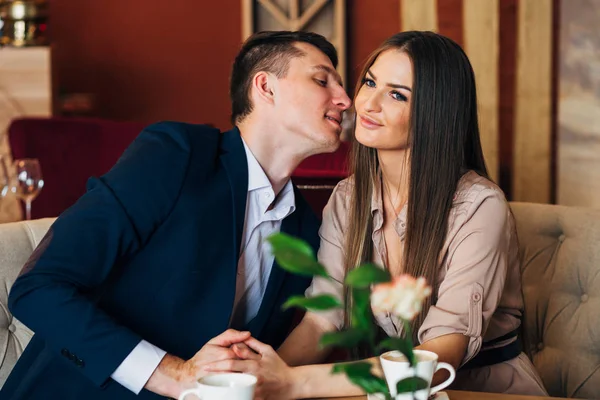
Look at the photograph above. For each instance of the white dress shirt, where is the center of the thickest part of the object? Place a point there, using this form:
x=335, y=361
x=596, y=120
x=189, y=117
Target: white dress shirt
x=254, y=268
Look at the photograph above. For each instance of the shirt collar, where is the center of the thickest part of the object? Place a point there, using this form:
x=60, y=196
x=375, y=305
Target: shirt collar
x=257, y=179
x=376, y=199
x=464, y=182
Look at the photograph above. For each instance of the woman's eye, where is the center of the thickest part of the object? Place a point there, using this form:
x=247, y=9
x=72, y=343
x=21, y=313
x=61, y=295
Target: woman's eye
x=398, y=96
x=321, y=82
x=369, y=82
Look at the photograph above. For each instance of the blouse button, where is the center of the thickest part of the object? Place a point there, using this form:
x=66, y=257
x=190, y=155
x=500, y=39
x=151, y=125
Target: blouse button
x=476, y=297
x=584, y=298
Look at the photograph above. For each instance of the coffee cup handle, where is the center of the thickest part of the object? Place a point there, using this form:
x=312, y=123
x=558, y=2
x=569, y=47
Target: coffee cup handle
x=447, y=382
x=194, y=391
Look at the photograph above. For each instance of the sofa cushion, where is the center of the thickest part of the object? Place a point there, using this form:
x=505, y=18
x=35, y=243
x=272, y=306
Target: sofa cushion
x=560, y=253
x=17, y=241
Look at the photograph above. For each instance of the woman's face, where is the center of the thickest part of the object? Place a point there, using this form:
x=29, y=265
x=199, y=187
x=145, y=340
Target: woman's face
x=383, y=102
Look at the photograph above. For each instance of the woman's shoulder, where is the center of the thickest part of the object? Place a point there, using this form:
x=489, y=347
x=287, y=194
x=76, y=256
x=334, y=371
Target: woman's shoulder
x=473, y=187
x=338, y=205
x=472, y=191
x=343, y=190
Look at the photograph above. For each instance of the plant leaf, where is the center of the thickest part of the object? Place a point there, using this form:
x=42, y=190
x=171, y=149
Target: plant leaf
x=359, y=373
x=366, y=275
x=411, y=384
x=347, y=338
x=403, y=345
x=361, y=309
x=317, y=303
x=295, y=255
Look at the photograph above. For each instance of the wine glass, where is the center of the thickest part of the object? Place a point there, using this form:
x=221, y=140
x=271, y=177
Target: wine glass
x=27, y=182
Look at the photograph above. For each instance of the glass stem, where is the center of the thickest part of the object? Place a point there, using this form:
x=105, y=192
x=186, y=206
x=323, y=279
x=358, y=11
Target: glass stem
x=28, y=209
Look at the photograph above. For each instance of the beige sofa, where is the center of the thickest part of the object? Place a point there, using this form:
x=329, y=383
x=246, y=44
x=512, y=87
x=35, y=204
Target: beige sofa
x=17, y=241
x=560, y=249
x=560, y=253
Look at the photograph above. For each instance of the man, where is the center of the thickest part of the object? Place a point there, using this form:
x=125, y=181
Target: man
x=166, y=250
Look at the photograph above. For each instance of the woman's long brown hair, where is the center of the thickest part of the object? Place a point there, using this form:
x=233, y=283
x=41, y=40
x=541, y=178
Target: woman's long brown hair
x=444, y=144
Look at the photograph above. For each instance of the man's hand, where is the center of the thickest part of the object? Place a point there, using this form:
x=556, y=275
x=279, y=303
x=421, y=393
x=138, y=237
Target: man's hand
x=173, y=374
x=275, y=378
x=243, y=352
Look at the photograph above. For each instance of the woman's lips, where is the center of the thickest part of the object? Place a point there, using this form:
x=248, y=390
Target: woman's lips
x=368, y=123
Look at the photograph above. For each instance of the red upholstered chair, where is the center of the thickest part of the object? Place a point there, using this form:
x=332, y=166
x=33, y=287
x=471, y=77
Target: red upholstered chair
x=317, y=176
x=71, y=150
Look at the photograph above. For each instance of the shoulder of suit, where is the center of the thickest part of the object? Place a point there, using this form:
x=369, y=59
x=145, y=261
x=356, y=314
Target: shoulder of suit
x=174, y=127
x=185, y=136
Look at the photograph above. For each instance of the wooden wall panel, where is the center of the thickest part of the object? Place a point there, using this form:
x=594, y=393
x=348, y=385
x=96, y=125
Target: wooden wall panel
x=481, y=36
x=533, y=112
x=419, y=15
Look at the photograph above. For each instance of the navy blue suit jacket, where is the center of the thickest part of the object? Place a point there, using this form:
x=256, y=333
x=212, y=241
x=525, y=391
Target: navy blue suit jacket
x=149, y=252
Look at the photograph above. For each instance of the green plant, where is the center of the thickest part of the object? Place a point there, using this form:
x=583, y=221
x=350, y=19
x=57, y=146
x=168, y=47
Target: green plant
x=370, y=287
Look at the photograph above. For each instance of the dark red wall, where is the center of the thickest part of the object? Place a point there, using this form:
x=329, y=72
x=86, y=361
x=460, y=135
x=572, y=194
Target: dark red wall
x=146, y=60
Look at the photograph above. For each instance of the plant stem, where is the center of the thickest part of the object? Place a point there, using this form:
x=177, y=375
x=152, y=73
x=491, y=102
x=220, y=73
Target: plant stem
x=408, y=337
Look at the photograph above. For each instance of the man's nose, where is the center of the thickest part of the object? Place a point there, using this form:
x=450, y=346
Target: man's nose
x=342, y=100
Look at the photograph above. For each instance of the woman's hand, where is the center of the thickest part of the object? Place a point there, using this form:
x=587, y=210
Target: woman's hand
x=174, y=374
x=274, y=377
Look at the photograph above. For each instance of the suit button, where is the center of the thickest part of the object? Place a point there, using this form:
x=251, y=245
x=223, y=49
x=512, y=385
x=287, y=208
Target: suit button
x=65, y=352
x=79, y=363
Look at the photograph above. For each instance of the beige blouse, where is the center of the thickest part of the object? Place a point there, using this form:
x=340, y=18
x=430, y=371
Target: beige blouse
x=479, y=286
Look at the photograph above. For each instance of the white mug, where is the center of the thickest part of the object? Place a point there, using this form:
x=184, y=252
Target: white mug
x=395, y=368
x=230, y=386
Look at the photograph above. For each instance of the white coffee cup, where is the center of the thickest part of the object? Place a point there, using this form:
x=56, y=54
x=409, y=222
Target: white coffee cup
x=395, y=368
x=229, y=386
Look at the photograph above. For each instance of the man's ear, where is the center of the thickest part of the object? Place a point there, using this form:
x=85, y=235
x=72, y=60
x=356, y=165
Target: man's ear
x=263, y=87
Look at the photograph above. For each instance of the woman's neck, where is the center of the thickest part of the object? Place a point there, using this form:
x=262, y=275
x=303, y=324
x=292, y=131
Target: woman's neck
x=395, y=176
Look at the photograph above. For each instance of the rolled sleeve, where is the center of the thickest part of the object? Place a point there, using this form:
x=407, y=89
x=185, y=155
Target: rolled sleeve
x=475, y=274
x=331, y=254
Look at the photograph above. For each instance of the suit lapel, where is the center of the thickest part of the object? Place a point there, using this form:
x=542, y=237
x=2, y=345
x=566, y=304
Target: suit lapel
x=235, y=164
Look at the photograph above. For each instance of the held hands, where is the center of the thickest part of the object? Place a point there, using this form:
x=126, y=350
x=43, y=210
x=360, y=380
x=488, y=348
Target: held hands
x=275, y=378
x=173, y=374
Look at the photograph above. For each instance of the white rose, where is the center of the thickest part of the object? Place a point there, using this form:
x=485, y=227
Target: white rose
x=403, y=297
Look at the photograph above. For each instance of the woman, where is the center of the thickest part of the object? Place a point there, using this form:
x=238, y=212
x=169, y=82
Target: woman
x=419, y=202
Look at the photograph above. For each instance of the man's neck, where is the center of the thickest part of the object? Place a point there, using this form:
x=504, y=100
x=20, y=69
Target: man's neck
x=277, y=158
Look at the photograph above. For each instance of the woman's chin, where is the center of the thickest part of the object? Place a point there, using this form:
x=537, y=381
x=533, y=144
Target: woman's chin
x=369, y=139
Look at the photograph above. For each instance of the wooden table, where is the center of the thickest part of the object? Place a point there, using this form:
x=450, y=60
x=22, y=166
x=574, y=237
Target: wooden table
x=460, y=395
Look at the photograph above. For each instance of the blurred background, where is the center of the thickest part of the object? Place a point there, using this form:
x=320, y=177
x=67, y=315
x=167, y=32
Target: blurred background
x=537, y=65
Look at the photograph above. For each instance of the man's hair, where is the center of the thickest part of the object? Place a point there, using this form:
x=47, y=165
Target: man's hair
x=269, y=51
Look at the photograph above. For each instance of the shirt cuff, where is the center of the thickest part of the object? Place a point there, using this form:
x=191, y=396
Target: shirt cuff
x=138, y=367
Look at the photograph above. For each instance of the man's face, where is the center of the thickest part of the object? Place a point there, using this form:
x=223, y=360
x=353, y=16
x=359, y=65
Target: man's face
x=310, y=100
